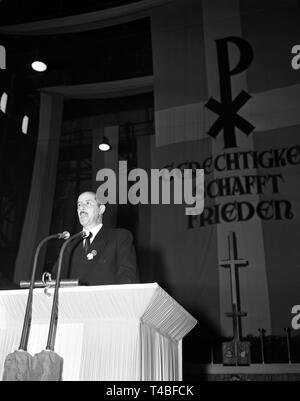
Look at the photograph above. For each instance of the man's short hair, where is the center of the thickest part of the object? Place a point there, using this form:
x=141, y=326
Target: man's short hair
x=98, y=200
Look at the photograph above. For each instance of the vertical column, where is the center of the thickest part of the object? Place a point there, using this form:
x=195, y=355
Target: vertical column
x=108, y=159
x=222, y=19
x=145, y=145
x=97, y=156
x=39, y=208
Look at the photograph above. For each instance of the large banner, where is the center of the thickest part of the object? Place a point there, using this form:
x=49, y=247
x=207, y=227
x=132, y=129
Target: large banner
x=233, y=111
x=186, y=261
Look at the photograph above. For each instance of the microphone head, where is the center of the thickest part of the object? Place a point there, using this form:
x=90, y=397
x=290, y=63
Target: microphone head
x=64, y=235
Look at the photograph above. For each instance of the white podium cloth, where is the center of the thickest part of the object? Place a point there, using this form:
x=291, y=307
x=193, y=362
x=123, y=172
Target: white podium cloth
x=116, y=332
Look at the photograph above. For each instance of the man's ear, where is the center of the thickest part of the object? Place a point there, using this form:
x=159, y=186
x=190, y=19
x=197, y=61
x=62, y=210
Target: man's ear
x=102, y=209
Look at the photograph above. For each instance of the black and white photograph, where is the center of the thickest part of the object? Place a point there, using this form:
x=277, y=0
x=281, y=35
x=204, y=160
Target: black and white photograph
x=150, y=193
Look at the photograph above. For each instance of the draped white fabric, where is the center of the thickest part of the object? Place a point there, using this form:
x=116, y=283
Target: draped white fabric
x=121, y=332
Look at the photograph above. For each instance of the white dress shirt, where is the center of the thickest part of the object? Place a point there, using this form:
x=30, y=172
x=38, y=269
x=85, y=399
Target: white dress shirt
x=94, y=231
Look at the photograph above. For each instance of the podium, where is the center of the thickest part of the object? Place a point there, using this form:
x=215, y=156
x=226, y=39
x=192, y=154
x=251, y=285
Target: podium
x=121, y=332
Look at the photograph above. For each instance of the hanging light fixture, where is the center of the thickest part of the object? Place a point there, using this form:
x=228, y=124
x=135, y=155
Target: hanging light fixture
x=25, y=122
x=104, y=146
x=3, y=102
x=39, y=66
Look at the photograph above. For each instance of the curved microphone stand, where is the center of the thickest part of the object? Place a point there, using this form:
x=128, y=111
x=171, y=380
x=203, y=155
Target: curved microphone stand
x=54, y=311
x=28, y=311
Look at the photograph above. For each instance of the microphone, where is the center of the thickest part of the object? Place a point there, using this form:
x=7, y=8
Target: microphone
x=54, y=311
x=28, y=311
x=64, y=235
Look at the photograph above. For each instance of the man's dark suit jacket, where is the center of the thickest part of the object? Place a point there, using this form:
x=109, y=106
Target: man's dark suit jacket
x=114, y=263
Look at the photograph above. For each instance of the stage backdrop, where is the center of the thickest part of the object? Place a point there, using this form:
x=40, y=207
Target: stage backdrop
x=227, y=101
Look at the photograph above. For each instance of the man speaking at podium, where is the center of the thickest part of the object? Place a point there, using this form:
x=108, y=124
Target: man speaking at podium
x=107, y=256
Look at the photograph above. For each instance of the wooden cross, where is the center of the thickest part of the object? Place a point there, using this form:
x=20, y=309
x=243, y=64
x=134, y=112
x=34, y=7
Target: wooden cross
x=233, y=262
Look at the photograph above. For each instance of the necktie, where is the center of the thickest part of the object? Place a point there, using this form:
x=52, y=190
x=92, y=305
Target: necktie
x=87, y=243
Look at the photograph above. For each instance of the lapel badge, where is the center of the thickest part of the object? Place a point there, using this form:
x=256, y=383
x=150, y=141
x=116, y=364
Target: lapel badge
x=91, y=254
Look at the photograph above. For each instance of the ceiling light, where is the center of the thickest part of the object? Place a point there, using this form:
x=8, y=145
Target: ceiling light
x=3, y=102
x=39, y=66
x=104, y=145
x=2, y=58
x=25, y=123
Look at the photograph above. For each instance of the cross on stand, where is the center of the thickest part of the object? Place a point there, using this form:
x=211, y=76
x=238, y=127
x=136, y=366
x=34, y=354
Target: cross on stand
x=237, y=351
x=233, y=262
